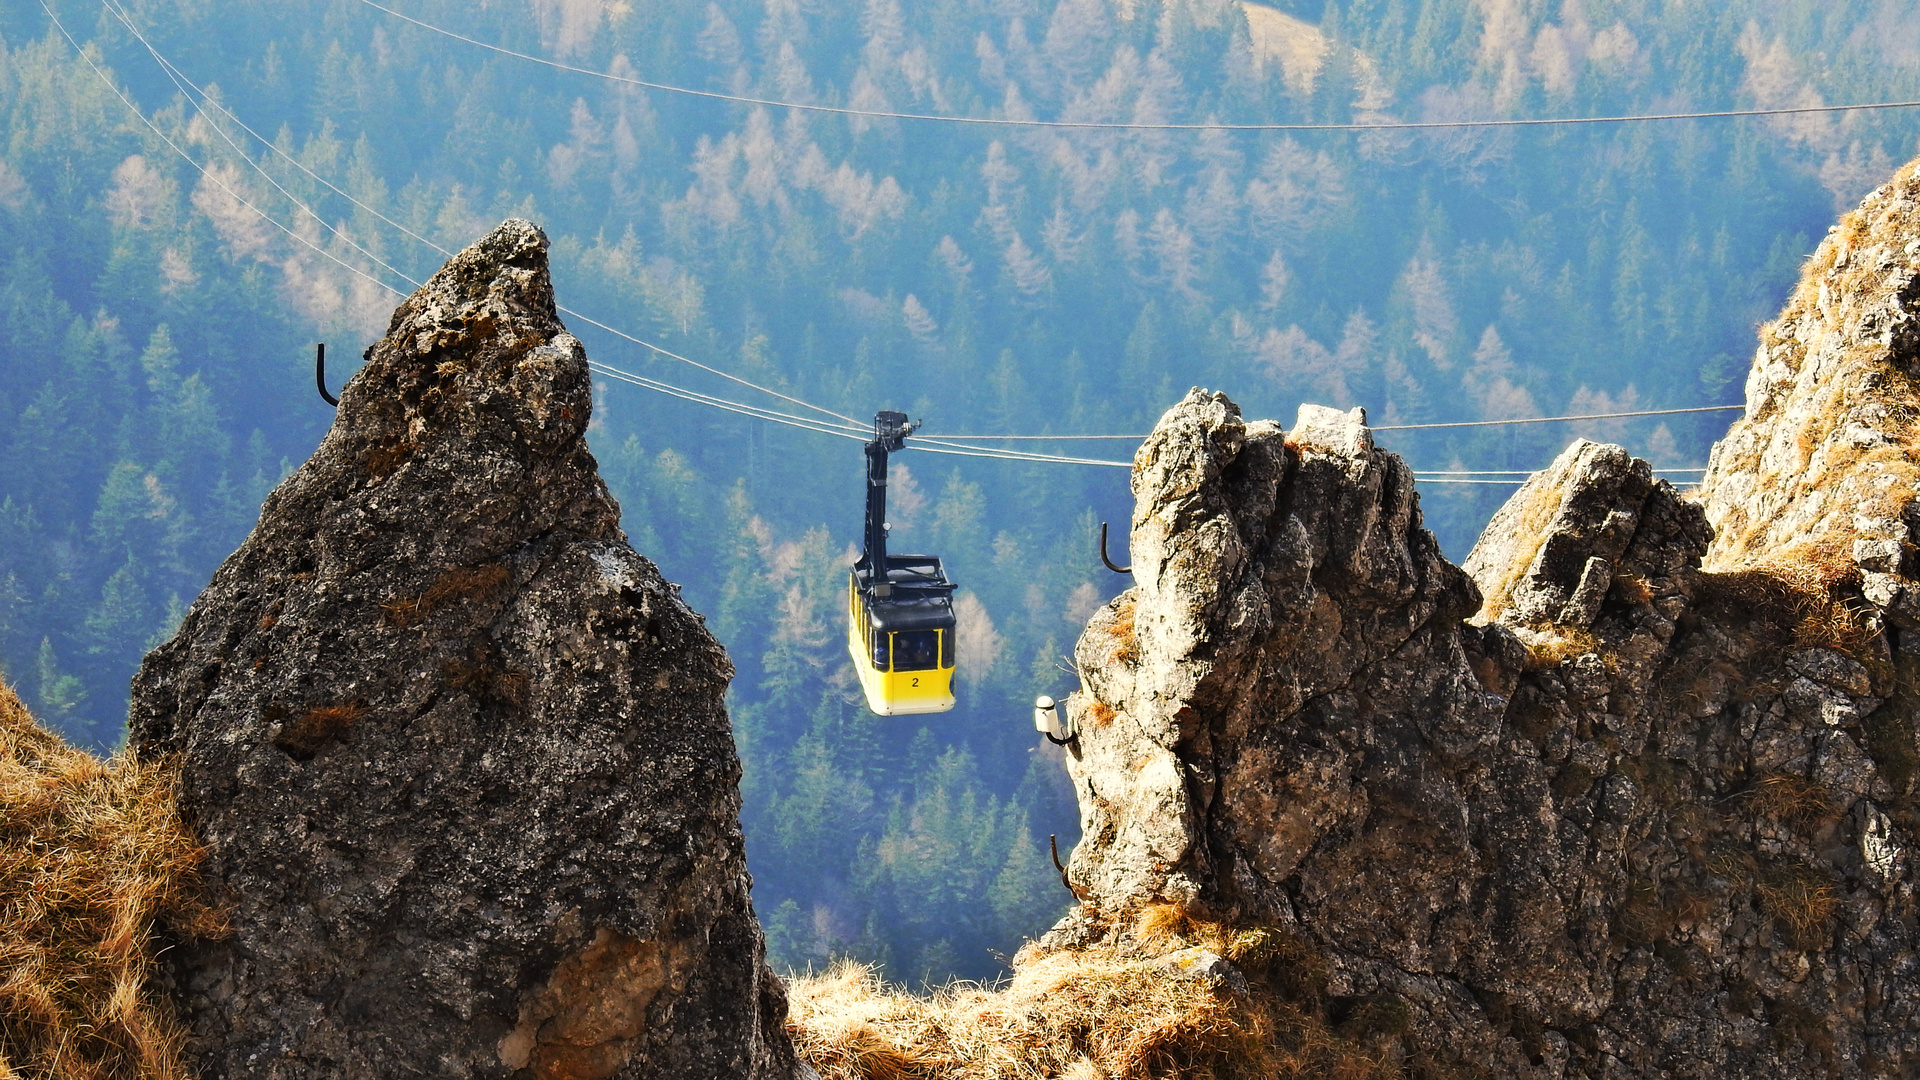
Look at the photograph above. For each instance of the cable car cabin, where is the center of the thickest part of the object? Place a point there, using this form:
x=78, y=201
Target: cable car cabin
x=899, y=607
x=902, y=645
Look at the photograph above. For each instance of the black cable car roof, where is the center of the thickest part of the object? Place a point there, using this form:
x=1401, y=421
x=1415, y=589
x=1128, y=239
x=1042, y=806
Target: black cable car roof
x=921, y=599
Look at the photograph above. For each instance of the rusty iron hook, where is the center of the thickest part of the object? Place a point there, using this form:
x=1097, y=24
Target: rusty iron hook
x=320, y=373
x=1128, y=569
x=1053, y=845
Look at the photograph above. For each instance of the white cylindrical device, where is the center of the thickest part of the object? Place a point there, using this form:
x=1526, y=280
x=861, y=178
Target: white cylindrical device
x=1046, y=718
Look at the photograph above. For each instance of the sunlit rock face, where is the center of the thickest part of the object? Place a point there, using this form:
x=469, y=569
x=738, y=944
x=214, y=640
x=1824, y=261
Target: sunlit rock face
x=458, y=752
x=1621, y=797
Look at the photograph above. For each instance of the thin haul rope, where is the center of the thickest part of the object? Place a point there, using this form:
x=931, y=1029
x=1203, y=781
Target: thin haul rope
x=216, y=181
x=1519, y=472
x=178, y=76
x=949, y=447
x=848, y=421
x=1416, y=427
x=608, y=369
x=1553, y=419
x=1018, y=455
x=754, y=411
x=270, y=219
x=1097, y=125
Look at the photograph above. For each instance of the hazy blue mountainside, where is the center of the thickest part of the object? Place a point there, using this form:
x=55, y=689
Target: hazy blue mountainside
x=156, y=330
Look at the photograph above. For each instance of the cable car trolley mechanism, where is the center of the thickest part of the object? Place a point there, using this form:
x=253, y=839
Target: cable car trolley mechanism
x=900, y=623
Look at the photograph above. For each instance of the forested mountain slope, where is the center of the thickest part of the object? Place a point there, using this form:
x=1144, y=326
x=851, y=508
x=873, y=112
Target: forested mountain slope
x=155, y=331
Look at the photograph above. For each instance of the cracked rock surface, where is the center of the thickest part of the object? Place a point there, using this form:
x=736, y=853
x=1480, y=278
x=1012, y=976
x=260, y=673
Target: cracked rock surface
x=458, y=752
x=1627, y=819
x=1632, y=794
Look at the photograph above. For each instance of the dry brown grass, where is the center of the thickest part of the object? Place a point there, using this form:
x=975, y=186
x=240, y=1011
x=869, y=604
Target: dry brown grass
x=1806, y=595
x=1101, y=713
x=476, y=582
x=1793, y=800
x=1633, y=588
x=318, y=727
x=1735, y=864
x=92, y=856
x=479, y=674
x=384, y=460
x=1801, y=900
x=1160, y=928
x=1126, y=647
x=1552, y=645
x=1641, y=918
x=403, y=612
x=1103, y=1013
x=480, y=583
x=1103, y=1016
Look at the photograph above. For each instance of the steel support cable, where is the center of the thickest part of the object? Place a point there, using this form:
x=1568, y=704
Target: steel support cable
x=1416, y=427
x=1104, y=125
x=205, y=99
x=710, y=399
x=1520, y=472
x=752, y=411
x=854, y=426
x=271, y=220
x=182, y=83
x=607, y=369
x=1555, y=419
x=846, y=421
x=216, y=181
x=800, y=422
x=753, y=415
x=1037, y=438
x=1448, y=480
x=981, y=453
x=1019, y=455
x=1424, y=478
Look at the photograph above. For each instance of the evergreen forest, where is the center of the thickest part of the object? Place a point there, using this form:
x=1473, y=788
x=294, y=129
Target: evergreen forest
x=173, y=240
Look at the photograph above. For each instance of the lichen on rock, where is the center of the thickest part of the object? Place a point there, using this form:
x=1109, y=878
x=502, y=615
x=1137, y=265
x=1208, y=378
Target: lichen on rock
x=1631, y=795
x=458, y=752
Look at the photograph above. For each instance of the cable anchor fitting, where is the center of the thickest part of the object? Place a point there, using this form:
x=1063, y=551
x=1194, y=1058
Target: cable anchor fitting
x=1111, y=565
x=320, y=374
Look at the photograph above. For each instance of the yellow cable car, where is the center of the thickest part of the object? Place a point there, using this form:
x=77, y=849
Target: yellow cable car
x=900, y=623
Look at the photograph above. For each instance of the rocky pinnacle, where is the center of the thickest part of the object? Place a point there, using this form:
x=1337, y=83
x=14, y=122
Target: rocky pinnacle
x=1633, y=794
x=458, y=752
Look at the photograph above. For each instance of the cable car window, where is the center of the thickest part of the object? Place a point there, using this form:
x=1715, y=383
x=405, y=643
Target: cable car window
x=946, y=648
x=880, y=650
x=915, y=650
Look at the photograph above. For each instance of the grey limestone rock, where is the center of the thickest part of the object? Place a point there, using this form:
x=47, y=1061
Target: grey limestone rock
x=1208, y=967
x=459, y=753
x=1552, y=553
x=1822, y=460
x=1624, y=818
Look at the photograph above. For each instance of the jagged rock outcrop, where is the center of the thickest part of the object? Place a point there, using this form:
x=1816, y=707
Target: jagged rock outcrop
x=1822, y=466
x=1631, y=795
x=458, y=752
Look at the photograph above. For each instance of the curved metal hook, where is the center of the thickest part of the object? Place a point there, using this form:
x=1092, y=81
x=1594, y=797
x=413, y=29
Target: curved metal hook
x=320, y=373
x=1128, y=569
x=1053, y=845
